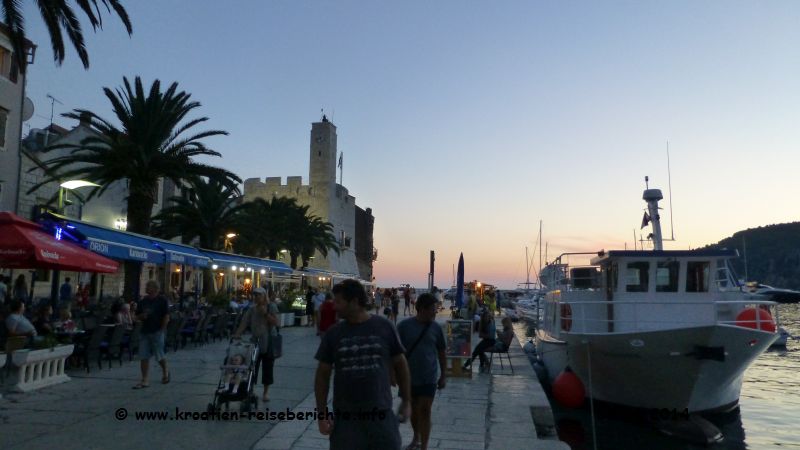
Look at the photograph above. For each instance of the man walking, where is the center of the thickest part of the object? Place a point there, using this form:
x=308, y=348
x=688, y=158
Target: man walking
x=361, y=351
x=423, y=339
x=153, y=311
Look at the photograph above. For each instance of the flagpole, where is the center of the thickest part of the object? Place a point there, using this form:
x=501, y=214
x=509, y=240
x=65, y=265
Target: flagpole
x=341, y=167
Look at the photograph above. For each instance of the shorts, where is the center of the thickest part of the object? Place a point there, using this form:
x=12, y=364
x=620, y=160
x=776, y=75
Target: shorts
x=151, y=344
x=422, y=390
x=366, y=432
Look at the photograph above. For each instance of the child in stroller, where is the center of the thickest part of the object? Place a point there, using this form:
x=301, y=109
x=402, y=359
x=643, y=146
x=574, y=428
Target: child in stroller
x=237, y=377
x=232, y=373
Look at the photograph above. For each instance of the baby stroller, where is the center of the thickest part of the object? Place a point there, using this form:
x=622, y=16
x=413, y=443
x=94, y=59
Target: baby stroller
x=237, y=378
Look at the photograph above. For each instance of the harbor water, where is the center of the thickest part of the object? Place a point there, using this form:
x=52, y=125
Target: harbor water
x=766, y=419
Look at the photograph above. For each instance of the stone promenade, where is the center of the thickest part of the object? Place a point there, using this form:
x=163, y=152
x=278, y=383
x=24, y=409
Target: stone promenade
x=98, y=410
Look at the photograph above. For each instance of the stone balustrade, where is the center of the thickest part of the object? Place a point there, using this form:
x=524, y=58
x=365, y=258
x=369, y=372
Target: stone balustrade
x=35, y=369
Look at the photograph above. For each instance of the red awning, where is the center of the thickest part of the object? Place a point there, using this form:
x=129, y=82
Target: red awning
x=25, y=245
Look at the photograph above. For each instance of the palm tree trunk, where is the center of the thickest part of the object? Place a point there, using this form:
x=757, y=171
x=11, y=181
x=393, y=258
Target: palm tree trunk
x=140, y=209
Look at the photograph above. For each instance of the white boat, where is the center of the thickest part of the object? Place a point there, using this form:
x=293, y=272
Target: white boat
x=653, y=328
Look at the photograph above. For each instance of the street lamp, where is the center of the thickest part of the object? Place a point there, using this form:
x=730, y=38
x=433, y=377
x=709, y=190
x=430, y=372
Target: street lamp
x=228, y=244
x=70, y=185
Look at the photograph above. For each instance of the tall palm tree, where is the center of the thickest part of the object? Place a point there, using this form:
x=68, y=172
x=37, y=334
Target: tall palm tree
x=150, y=144
x=265, y=225
x=207, y=212
x=318, y=237
x=58, y=15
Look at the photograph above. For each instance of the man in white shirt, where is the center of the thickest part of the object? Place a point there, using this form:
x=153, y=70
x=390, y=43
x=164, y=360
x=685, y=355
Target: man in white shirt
x=16, y=323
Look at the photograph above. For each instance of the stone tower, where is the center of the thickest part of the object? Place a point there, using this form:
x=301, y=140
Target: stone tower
x=322, y=168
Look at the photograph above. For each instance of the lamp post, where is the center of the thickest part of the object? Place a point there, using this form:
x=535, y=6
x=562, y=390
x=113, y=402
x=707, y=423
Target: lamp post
x=62, y=200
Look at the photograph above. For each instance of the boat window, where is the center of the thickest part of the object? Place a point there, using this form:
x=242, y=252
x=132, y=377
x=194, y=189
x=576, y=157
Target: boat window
x=667, y=276
x=636, y=279
x=722, y=274
x=697, y=276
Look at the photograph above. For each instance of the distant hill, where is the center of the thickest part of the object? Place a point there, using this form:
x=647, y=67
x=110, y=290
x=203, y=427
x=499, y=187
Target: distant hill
x=773, y=254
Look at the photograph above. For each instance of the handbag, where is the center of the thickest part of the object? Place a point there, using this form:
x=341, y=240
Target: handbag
x=271, y=346
x=277, y=344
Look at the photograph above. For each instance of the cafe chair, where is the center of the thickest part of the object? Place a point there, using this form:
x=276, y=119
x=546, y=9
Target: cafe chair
x=492, y=351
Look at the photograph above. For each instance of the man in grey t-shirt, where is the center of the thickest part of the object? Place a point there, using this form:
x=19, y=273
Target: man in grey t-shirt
x=423, y=340
x=360, y=351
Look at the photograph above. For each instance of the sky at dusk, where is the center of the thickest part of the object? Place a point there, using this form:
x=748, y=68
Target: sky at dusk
x=465, y=123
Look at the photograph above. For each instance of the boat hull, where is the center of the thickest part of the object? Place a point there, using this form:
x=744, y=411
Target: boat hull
x=689, y=369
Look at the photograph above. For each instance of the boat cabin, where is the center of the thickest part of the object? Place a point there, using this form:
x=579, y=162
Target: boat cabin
x=624, y=291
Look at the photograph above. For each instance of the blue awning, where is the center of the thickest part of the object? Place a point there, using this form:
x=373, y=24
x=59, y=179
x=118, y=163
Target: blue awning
x=181, y=254
x=117, y=244
x=230, y=260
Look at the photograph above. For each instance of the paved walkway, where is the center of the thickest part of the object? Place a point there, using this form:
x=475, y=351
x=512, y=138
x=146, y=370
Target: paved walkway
x=490, y=411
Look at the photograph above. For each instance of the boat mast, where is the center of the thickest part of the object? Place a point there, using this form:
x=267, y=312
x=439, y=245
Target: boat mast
x=540, y=252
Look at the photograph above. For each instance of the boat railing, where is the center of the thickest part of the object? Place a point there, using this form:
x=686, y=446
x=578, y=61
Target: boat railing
x=608, y=317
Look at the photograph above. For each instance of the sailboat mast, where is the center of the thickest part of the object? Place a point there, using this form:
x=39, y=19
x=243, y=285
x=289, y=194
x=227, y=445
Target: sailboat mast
x=527, y=270
x=540, y=251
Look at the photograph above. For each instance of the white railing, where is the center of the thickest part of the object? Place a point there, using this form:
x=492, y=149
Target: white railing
x=592, y=317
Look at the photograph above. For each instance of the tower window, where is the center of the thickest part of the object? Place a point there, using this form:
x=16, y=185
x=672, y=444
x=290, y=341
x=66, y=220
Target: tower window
x=319, y=153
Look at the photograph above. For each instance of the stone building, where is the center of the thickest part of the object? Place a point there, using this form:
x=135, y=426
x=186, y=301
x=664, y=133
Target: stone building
x=327, y=200
x=12, y=114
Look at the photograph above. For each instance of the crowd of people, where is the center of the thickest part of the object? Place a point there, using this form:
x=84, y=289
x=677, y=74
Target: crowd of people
x=362, y=346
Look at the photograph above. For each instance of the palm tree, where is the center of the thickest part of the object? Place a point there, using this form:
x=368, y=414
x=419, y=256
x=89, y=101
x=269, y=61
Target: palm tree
x=264, y=231
x=318, y=237
x=151, y=144
x=58, y=15
x=207, y=212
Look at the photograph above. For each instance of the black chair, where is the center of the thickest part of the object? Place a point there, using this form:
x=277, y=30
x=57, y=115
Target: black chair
x=207, y=327
x=201, y=332
x=89, y=322
x=91, y=349
x=502, y=352
x=220, y=330
x=130, y=343
x=112, y=348
x=174, y=330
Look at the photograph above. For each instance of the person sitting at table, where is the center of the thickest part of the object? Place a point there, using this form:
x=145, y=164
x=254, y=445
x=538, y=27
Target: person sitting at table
x=42, y=321
x=16, y=322
x=65, y=321
x=124, y=317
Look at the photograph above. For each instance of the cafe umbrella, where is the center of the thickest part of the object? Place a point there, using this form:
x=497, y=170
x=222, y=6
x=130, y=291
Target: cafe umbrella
x=26, y=245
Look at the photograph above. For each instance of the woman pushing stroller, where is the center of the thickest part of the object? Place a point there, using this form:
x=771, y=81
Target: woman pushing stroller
x=262, y=319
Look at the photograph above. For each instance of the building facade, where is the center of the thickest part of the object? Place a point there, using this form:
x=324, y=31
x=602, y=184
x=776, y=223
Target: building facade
x=327, y=200
x=12, y=110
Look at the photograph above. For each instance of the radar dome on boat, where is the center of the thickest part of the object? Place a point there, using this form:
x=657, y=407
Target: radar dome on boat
x=652, y=194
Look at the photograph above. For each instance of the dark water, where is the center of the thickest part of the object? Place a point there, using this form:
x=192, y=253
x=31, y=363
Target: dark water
x=768, y=417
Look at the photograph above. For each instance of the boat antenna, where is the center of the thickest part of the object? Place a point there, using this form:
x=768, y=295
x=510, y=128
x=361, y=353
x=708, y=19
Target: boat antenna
x=634, y=239
x=669, y=184
x=744, y=244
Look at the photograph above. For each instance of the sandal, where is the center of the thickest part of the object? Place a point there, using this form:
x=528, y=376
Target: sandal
x=141, y=386
x=414, y=446
x=166, y=380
